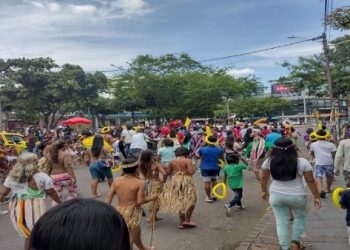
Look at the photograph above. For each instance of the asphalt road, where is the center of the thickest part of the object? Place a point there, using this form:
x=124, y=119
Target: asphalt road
x=214, y=229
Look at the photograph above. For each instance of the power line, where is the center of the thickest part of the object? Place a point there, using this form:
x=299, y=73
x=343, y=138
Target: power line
x=261, y=50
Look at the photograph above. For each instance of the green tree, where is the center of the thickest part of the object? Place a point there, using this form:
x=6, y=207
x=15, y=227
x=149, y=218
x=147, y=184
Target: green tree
x=260, y=106
x=340, y=18
x=37, y=89
x=174, y=86
x=309, y=72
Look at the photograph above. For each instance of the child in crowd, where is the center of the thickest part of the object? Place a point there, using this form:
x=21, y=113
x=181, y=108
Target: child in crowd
x=167, y=153
x=130, y=190
x=234, y=177
x=345, y=204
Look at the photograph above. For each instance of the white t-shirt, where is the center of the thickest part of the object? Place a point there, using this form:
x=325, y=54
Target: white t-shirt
x=128, y=134
x=323, y=152
x=42, y=180
x=293, y=187
x=139, y=141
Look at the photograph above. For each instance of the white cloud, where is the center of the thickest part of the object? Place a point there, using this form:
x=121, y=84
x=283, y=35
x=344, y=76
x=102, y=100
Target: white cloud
x=241, y=72
x=38, y=4
x=292, y=51
x=132, y=7
x=83, y=9
x=54, y=7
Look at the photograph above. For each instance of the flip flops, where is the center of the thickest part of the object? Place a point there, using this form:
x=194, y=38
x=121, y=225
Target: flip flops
x=189, y=224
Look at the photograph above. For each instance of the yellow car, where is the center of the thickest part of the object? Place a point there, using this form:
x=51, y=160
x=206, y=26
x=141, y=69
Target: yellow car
x=13, y=139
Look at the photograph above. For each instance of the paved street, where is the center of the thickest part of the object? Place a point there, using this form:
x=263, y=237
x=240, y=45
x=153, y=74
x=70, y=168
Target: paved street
x=214, y=231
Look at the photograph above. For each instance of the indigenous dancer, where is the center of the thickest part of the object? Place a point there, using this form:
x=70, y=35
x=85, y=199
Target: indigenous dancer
x=180, y=193
x=29, y=188
x=62, y=170
x=106, y=134
x=93, y=157
x=256, y=152
x=150, y=171
x=130, y=191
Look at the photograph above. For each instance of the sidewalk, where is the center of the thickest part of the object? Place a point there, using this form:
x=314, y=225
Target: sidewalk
x=325, y=228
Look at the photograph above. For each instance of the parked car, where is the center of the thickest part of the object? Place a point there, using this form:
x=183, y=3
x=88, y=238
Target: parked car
x=13, y=139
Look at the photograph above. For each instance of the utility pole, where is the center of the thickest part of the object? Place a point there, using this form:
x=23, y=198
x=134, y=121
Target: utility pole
x=328, y=72
x=328, y=68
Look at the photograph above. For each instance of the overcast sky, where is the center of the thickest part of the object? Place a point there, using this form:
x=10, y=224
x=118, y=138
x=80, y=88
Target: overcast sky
x=98, y=33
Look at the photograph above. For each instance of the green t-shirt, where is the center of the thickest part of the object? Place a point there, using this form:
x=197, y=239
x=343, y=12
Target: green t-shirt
x=235, y=175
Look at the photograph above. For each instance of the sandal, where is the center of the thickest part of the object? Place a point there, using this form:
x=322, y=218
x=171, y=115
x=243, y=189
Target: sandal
x=189, y=224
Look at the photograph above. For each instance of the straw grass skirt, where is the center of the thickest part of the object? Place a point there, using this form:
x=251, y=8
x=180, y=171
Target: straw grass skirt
x=155, y=188
x=132, y=216
x=179, y=194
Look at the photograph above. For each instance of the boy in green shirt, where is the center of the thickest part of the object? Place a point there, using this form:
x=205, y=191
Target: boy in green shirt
x=234, y=177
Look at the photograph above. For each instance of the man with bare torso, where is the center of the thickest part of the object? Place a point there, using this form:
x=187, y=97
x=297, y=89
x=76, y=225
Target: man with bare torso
x=130, y=191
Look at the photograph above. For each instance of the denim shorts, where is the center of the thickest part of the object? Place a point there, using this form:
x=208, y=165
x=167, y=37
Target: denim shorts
x=99, y=173
x=324, y=170
x=209, y=175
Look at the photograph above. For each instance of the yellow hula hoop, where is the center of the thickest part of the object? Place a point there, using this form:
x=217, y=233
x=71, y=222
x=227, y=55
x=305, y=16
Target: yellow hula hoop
x=221, y=163
x=224, y=191
x=116, y=169
x=336, y=196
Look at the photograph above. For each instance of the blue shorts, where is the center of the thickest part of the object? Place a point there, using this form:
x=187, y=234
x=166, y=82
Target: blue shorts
x=99, y=173
x=324, y=170
x=210, y=175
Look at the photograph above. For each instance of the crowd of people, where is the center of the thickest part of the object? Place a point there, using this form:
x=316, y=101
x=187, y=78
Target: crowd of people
x=158, y=165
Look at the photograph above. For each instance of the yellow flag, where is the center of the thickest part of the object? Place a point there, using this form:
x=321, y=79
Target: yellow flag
x=187, y=122
x=208, y=131
x=317, y=114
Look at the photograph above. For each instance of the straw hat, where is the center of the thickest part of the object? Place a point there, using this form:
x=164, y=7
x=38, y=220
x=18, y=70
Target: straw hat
x=211, y=140
x=105, y=130
x=322, y=134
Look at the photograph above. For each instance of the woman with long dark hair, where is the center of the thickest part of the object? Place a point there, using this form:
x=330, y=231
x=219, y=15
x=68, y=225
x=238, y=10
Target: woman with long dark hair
x=93, y=158
x=151, y=170
x=61, y=169
x=287, y=190
x=80, y=224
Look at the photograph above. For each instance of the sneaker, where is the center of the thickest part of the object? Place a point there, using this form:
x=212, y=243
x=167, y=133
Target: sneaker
x=323, y=194
x=209, y=200
x=228, y=210
x=3, y=212
x=240, y=207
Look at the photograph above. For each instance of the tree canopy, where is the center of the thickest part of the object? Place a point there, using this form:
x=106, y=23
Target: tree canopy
x=340, y=18
x=309, y=72
x=39, y=88
x=174, y=86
